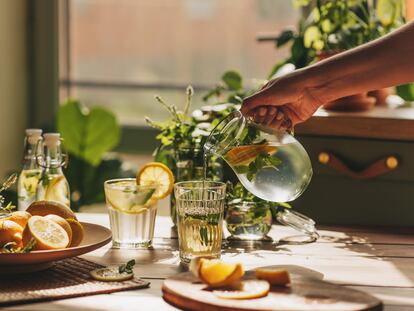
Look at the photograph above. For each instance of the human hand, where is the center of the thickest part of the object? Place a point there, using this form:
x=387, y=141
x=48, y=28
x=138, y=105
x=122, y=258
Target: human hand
x=283, y=102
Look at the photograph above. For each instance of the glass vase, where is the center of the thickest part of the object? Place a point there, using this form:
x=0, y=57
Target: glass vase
x=248, y=220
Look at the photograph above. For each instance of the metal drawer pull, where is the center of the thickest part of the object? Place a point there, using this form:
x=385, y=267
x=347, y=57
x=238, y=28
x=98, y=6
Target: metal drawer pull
x=378, y=168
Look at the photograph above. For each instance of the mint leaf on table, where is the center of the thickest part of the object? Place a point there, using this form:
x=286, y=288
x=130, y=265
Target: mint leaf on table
x=127, y=268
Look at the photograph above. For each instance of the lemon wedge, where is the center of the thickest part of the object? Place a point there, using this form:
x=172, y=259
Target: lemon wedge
x=276, y=277
x=246, y=290
x=159, y=175
x=47, y=233
x=216, y=273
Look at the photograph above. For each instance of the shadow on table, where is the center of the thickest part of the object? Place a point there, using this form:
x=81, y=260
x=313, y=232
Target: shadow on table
x=392, y=245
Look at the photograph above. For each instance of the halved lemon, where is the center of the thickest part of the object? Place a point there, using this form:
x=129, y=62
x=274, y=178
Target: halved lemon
x=216, y=273
x=277, y=277
x=110, y=274
x=10, y=232
x=43, y=208
x=77, y=232
x=63, y=223
x=159, y=175
x=19, y=217
x=47, y=233
x=57, y=190
x=246, y=290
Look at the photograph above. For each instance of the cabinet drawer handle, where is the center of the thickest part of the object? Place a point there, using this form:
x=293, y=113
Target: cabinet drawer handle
x=378, y=168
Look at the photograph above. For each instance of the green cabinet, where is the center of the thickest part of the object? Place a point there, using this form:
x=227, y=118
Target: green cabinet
x=334, y=198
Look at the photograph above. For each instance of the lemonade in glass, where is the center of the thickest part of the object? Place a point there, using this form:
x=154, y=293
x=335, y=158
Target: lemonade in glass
x=132, y=210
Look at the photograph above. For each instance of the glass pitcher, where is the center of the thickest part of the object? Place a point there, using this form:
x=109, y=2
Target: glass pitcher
x=269, y=163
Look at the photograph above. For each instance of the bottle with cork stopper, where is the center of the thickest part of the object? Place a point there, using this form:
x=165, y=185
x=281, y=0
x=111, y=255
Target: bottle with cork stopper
x=31, y=172
x=53, y=185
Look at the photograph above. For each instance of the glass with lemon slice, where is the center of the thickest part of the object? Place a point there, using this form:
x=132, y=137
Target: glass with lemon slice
x=200, y=209
x=131, y=211
x=132, y=204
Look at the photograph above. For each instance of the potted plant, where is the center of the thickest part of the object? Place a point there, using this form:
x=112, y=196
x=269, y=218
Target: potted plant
x=183, y=135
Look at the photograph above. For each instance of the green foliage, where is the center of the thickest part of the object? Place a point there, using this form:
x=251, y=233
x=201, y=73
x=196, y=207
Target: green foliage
x=88, y=136
x=127, y=268
x=229, y=90
x=11, y=180
x=233, y=80
x=86, y=181
x=336, y=25
x=342, y=24
x=88, y=133
x=406, y=91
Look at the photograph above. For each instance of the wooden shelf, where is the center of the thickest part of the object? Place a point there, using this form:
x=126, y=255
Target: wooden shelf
x=378, y=123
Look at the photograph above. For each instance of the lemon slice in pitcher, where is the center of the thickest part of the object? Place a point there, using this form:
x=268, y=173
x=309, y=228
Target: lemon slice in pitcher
x=158, y=175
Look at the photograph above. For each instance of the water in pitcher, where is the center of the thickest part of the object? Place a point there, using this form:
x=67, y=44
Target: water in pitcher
x=271, y=164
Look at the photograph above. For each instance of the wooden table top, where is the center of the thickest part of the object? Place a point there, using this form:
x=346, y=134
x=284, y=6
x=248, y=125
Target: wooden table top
x=378, y=261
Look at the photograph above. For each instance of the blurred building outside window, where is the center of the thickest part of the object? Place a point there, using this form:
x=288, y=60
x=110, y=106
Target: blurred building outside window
x=120, y=53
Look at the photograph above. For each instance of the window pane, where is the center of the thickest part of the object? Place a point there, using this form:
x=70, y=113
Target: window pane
x=167, y=42
x=131, y=106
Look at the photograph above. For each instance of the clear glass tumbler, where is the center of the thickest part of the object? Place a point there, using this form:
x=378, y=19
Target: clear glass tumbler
x=132, y=213
x=200, y=210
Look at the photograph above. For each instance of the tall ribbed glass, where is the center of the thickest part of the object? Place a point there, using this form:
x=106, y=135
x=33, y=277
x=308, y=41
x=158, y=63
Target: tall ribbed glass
x=200, y=209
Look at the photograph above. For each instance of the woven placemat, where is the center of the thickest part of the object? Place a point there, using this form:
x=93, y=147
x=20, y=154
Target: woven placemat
x=67, y=278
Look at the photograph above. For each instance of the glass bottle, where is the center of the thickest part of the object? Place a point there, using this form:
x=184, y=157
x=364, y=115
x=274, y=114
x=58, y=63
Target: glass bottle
x=53, y=185
x=31, y=172
x=271, y=164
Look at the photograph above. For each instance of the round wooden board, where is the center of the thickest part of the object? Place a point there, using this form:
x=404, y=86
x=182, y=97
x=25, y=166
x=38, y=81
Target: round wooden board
x=305, y=293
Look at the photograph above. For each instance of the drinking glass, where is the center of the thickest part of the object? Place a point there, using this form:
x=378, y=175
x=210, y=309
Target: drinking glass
x=131, y=211
x=200, y=210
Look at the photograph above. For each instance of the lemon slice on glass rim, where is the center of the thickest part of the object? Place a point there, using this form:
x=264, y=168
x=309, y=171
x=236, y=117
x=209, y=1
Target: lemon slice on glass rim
x=158, y=175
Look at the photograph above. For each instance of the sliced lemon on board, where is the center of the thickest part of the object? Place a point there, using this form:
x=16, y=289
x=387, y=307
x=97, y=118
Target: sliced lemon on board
x=276, y=277
x=159, y=175
x=246, y=290
x=216, y=273
x=110, y=274
x=57, y=190
x=47, y=233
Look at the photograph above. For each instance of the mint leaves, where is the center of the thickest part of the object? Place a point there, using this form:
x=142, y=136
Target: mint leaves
x=127, y=268
x=262, y=160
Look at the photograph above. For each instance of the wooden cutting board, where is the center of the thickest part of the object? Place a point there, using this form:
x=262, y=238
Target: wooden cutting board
x=306, y=292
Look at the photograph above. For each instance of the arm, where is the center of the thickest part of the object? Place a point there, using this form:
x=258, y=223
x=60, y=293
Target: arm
x=293, y=98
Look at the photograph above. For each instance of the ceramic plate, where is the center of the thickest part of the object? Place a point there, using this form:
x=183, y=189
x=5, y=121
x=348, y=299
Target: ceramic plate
x=95, y=237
